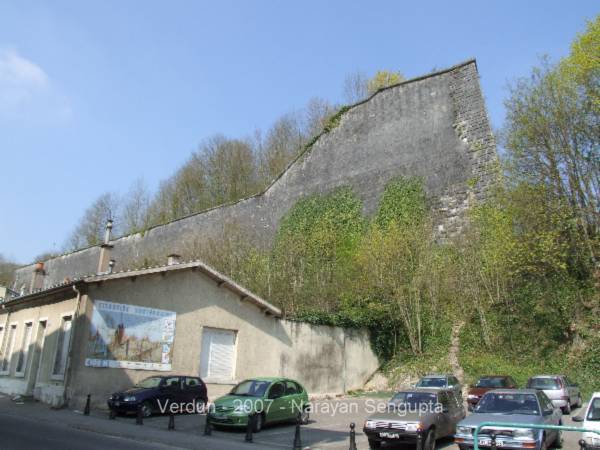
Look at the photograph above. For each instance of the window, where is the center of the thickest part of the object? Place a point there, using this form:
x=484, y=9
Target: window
x=193, y=382
x=24, y=351
x=217, y=360
x=277, y=390
x=291, y=388
x=8, y=349
x=172, y=383
x=62, y=348
x=594, y=410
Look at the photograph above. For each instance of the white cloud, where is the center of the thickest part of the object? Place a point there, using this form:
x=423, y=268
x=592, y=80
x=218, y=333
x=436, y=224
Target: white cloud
x=26, y=91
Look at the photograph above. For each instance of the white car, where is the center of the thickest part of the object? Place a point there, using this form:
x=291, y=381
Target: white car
x=591, y=420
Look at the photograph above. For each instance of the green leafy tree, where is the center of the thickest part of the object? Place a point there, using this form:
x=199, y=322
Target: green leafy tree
x=382, y=79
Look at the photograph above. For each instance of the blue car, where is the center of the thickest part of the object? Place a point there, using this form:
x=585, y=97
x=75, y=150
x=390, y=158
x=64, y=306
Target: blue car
x=526, y=406
x=174, y=393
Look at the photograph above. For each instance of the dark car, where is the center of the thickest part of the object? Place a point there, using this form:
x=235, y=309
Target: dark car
x=486, y=384
x=172, y=393
x=430, y=414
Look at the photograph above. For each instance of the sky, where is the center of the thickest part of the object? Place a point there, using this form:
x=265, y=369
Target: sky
x=97, y=94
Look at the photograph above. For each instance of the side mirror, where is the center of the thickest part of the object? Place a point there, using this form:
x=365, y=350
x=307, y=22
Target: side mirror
x=577, y=419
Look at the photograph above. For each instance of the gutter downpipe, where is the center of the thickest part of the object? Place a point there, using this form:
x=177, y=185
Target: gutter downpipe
x=70, y=352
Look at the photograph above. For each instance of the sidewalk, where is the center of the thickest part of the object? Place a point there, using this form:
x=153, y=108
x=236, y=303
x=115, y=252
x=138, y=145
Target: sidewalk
x=187, y=435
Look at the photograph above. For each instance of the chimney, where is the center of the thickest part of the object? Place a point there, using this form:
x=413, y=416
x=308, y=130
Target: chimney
x=37, y=278
x=105, y=249
x=173, y=259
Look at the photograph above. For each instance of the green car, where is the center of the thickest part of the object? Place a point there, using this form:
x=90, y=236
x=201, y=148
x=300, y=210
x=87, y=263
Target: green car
x=269, y=400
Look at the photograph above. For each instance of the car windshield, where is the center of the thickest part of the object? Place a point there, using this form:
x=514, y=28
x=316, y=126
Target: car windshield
x=594, y=410
x=491, y=382
x=432, y=382
x=543, y=383
x=151, y=382
x=251, y=388
x=412, y=400
x=501, y=403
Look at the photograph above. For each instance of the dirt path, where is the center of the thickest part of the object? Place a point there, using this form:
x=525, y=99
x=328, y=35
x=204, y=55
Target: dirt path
x=457, y=370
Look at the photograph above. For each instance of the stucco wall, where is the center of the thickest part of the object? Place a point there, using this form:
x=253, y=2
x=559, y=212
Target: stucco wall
x=324, y=359
x=37, y=381
x=434, y=127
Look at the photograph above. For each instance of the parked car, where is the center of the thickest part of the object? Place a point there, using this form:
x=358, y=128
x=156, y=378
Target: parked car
x=432, y=413
x=486, y=384
x=157, y=394
x=591, y=420
x=560, y=389
x=441, y=382
x=523, y=406
x=269, y=400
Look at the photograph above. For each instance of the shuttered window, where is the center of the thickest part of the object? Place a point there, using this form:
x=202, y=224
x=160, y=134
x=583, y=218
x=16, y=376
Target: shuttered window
x=217, y=361
x=62, y=348
x=24, y=352
x=8, y=349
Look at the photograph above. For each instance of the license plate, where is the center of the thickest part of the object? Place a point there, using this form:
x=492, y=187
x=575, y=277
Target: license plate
x=219, y=416
x=488, y=443
x=389, y=435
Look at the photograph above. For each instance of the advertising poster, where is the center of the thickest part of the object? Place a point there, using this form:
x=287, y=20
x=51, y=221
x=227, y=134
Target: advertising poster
x=130, y=337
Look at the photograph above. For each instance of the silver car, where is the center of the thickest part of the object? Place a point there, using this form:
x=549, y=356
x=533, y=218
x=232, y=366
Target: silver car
x=559, y=388
x=508, y=406
x=449, y=382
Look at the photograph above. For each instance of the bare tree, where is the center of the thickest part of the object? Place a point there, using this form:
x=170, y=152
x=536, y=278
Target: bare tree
x=90, y=229
x=136, y=205
x=356, y=87
x=7, y=268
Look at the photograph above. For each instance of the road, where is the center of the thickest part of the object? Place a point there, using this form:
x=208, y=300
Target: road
x=21, y=433
x=36, y=427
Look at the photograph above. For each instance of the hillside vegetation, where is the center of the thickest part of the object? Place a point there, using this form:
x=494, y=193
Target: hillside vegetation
x=523, y=276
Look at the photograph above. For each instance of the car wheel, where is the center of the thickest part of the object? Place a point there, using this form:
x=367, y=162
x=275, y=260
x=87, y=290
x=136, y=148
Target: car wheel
x=579, y=401
x=259, y=421
x=374, y=444
x=558, y=442
x=146, y=409
x=544, y=443
x=462, y=447
x=429, y=441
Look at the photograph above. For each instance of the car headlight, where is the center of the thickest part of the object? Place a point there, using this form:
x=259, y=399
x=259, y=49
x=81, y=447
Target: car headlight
x=523, y=433
x=370, y=424
x=413, y=426
x=130, y=398
x=243, y=408
x=465, y=431
x=472, y=397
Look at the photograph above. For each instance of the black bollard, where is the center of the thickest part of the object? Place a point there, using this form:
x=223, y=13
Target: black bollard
x=419, y=440
x=352, y=436
x=112, y=414
x=297, y=440
x=582, y=444
x=171, y=426
x=139, y=417
x=207, y=427
x=249, y=428
x=86, y=410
